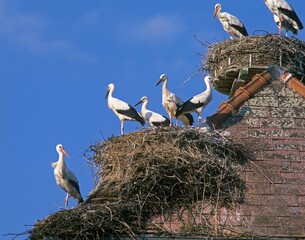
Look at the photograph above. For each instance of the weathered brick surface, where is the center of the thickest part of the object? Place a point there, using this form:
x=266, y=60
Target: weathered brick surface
x=295, y=134
x=299, y=123
x=272, y=125
x=301, y=200
x=287, y=188
x=266, y=133
x=282, y=155
x=284, y=112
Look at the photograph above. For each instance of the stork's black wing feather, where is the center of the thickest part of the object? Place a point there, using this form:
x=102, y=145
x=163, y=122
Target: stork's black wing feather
x=190, y=118
x=75, y=185
x=189, y=106
x=241, y=29
x=291, y=14
x=165, y=123
x=132, y=113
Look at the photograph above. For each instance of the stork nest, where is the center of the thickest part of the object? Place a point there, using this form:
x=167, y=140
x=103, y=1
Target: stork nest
x=147, y=178
x=256, y=51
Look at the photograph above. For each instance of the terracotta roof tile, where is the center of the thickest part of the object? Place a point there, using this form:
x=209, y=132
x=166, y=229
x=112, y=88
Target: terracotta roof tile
x=226, y=109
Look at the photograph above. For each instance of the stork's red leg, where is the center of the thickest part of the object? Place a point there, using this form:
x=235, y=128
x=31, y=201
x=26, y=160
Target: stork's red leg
x=66, y=200
x=170, y=121
x=199, y=119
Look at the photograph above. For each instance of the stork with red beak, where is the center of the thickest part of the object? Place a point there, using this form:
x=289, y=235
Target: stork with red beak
x=230, y=23
x=171, y=102
x=284, y=16
x=65, y=178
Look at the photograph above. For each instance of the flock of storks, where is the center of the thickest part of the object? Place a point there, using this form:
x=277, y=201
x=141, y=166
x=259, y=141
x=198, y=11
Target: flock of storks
x=284, y=16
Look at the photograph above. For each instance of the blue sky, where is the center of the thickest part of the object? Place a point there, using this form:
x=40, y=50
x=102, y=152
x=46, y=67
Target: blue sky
x=57, y=58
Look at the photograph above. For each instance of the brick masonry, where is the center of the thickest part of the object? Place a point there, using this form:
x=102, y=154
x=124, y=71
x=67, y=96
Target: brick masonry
x=272, y=125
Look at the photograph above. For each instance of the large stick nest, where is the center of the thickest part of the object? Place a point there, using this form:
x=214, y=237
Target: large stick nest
x=227, y=57
x=152, y=173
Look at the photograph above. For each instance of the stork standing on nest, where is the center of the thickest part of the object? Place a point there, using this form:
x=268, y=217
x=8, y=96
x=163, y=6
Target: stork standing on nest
x=152, y=118
x=122, y=109
x=172, y=102
x=230, y=23
x=284, y=16
x=65, y=178
x=198, y=102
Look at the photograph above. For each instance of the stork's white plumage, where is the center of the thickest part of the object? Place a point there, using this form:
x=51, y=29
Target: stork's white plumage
x=65, y=178
x=198, y=102
x=230, y=23
x=284, y=16
x=122, y=109
x=172, y=102
x=152, y=118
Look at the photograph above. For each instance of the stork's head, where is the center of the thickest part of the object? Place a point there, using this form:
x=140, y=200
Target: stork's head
x=209, y=79
x=217, y=9
x=163, y=77
x=143, y=99
x=109, y=88
x=60, y=149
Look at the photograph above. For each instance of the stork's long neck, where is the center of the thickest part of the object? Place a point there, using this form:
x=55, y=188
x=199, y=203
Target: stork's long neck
x=208, y=84
x=61, y=160
x=144, y=107
x=164, y=88
x=221, y=16
x=110, y=93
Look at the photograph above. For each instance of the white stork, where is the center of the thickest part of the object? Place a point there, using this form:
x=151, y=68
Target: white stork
x=122, y=109
x=65, y=178
x=152, y=118
x=284, y=16
x=230, y=23
x=172, y=102
x=198, y=102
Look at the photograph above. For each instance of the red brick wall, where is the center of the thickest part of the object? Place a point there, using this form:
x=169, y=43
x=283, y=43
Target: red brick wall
x=272, y=125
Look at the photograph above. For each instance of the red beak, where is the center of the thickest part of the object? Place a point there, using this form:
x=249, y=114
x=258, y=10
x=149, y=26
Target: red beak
x=64, y=152
x=215, y=12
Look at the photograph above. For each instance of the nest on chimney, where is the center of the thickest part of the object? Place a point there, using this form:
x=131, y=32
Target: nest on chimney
x=224, y=60
x=149, y=177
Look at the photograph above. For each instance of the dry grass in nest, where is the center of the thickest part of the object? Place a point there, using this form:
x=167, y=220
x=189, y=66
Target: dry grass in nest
x=149, y=174
x=262, y=50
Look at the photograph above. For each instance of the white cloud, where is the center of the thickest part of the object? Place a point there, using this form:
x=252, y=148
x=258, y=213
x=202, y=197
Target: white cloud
x=157, y=28
x=25, y=30
x=34, y=33
x=15, y=25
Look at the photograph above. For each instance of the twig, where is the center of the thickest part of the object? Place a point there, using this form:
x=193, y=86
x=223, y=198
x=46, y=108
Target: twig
x=261, y=172
x=192, y=76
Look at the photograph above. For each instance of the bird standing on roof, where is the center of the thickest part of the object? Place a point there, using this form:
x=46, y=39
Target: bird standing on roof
x=122, y=109
x=172, y=102
x=284, y=16
x=65, y=178
x=198, y=102
x=152, y=118
x=230, y=23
